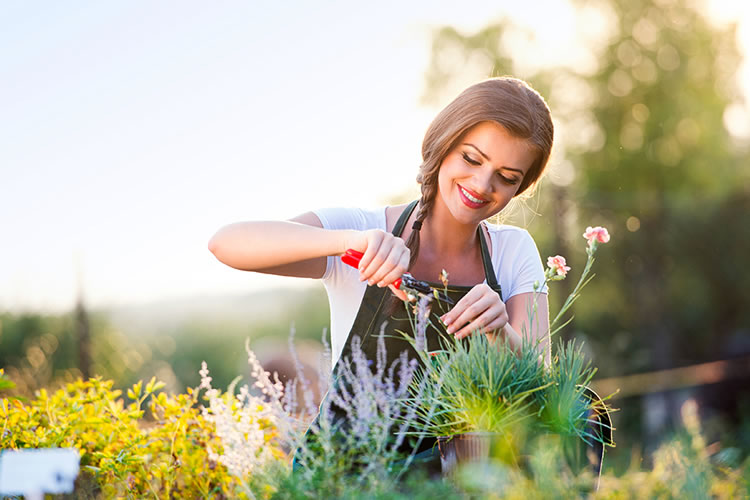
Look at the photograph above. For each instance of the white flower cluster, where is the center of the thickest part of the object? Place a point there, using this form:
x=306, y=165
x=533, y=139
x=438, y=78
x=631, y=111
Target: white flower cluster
x=246, y=423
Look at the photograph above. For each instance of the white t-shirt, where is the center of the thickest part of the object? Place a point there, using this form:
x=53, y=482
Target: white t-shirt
x=515, y=260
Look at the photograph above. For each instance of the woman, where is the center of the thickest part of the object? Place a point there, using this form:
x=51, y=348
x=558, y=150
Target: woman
x=489, y=145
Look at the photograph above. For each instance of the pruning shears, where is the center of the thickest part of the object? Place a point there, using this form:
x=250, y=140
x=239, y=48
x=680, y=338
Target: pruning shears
x=406, y=282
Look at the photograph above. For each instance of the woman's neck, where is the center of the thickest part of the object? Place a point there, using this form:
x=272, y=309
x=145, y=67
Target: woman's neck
x=446, y=236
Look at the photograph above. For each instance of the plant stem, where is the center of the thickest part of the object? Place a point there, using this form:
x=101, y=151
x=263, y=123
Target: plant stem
x=574, y=294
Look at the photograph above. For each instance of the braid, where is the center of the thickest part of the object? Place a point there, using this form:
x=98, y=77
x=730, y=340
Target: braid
x=429, y=190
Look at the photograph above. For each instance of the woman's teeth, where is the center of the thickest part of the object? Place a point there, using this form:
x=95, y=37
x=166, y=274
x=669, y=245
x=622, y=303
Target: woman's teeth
x=470, y=197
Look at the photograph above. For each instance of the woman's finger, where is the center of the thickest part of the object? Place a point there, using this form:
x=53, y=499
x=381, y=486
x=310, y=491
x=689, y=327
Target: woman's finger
x=398, y=270
x=399, y=293
x=389, y=267
x=374, y=240
x=401, y=259
x=463, y=303
x=469, y=306
x=384, y=261
x=471, y=313
x=491, y=320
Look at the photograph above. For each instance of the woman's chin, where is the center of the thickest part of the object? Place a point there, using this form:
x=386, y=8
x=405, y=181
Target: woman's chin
x=469, y=216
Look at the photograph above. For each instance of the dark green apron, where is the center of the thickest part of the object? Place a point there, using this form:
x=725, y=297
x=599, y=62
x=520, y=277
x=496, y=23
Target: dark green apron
x=372, y=315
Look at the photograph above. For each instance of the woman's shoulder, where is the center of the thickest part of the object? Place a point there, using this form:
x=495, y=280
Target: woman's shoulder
x=352, y=217
x=507, y=231
x=392, y=214
x=508, y=240
x=516, y=259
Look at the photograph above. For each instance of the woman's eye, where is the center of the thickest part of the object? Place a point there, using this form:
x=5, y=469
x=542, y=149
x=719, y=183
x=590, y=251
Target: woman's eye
x=508, y=180
x=470, y=160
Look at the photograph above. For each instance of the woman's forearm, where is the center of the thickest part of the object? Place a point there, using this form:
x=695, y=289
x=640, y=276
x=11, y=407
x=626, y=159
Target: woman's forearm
x=260, y=245
x=528, y=316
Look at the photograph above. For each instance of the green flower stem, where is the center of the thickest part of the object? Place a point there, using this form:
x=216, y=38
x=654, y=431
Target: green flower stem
x=582, y=282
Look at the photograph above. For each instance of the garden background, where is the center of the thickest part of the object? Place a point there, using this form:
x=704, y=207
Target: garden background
x=130, y=133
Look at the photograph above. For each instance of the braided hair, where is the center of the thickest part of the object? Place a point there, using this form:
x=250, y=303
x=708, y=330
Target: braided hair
x=511, y=103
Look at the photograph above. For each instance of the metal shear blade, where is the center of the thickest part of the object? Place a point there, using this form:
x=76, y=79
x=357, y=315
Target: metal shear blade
x=422, y=288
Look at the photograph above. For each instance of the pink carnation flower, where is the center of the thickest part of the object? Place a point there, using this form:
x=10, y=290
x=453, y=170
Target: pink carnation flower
x=598, y=234
x=557, y=264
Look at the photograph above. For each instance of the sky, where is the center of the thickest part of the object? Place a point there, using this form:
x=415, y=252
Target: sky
x=131, y=131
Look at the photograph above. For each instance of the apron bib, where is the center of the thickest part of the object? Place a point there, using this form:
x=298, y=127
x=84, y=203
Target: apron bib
x=373, y=314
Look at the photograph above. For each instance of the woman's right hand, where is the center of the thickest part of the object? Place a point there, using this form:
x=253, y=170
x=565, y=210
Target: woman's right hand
x=385, y=259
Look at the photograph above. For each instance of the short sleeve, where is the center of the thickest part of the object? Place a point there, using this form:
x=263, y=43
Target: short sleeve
x=530, y=272
x=516, y=260
x=348, y=218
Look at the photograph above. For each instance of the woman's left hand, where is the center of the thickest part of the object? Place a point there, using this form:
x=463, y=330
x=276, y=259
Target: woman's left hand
x=481, y=308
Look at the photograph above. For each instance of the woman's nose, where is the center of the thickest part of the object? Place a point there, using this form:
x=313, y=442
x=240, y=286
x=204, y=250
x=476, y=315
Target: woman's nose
x=485, y=180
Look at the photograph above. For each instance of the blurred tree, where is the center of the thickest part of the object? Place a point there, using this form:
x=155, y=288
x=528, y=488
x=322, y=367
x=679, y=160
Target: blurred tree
x=43, y=350
x=39, y=350
x=83, y=338
x=655, y=163
x=658, y=101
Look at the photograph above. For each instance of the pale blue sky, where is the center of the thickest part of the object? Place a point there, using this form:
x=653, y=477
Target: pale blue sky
x=131, y=131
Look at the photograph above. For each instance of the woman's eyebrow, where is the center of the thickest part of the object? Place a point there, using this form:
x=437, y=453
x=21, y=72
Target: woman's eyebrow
x=488, y=158
x=478, y=150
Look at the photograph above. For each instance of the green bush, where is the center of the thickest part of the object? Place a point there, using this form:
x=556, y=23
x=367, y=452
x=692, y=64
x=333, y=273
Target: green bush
x=123, y=453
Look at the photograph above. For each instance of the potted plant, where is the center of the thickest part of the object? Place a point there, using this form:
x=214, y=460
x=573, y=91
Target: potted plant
x=486, y=400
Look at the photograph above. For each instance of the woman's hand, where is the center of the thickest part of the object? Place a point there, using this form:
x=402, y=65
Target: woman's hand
x=481, y=308
x=385, y=259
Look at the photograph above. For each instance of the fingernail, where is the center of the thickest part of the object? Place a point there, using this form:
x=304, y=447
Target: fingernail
x=371, y=282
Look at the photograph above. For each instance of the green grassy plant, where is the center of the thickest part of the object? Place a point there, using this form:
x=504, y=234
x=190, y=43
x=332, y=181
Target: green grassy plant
x=487, y=386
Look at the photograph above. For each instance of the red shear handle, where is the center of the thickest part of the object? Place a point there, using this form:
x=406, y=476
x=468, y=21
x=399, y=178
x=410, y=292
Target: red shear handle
x=352, y=258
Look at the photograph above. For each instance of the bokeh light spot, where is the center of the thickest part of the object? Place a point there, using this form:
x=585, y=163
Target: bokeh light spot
x=737, y=121
x=619, y=84
x=631, y=136
x=668, y=58
x=645, y=71
x=633, y=223
x=640, y=112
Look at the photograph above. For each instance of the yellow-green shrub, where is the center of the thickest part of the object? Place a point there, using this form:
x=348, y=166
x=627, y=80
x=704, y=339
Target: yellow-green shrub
x=166, y=456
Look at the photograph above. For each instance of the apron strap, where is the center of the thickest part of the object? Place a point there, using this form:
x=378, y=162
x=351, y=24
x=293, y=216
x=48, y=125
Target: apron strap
x=399, y=227
x=489, y=270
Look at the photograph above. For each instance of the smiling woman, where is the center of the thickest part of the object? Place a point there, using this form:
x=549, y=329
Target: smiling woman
x=489, y=145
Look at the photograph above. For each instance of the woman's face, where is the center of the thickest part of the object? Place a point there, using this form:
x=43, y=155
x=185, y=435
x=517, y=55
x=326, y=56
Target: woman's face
x=483, y=172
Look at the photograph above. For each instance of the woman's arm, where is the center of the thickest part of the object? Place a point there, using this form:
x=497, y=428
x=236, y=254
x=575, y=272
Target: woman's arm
x=299, y=248
x=481, y=309
x=521, y=310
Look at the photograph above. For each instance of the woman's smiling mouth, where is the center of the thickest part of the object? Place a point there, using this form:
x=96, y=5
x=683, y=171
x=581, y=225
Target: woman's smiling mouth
x=471, y=199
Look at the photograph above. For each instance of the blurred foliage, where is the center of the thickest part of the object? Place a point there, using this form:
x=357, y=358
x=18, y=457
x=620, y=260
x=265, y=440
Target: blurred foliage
x=170, y=456
x=643, y=149
x=40, y=350
x=122, y=454
x=220, y=342
x=653, y=161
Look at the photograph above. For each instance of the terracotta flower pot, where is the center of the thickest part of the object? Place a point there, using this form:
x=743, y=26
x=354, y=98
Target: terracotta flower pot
x=464, y=448
x=473, y=447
